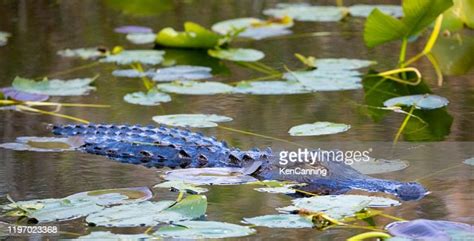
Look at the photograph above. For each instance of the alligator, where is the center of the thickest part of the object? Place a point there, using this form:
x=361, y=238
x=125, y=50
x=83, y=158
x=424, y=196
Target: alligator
x=181, y=148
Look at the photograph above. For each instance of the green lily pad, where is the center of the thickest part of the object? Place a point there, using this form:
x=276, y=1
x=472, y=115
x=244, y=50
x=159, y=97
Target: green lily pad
x=376, y=166
x=280, y=221
x=196, y=88
x=150, y=213
x=203, y=230
x=151, y=57
x=131, y=215
x=83, y=53
x=43, y=144
x=141, y=38
x=424, y=229
x=254, y=28
x=54, y=87
x=80, y=204
x=181, y=186
x=151, y=98
x=364, y=10
x=306, y=12
x=270, y=88
x=107, y=235
x=323, y=80
x=318, y=128
x=194, y=36
x=180, y=72
x=469, y=161
x=343, y=63
x=338, y=206
x=243, y=55
x=191, y=120
x=426, y=101
x=210, y=176
x=4, y=38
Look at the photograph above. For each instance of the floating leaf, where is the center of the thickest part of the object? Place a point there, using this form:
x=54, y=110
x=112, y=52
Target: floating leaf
x=151, y=57
x=364, y=10
x=195, y=88
x=81, y=204
x=11, y=93
x=54, y=87
x=270, y=88
x=41, y=144
x=244, y=55
x=4, y=38
x=254, y=28
x=128, y=73
x=107, y=235
x=318, y=128
x=128, y=29
x=280, y=221
x=342, y=63
x=203, y=230
x=83, y=53
x=284, y=190
x=181, y=72
x=338, y=206
x=194, y=36
x=424, y=229
x=150, y=98
x=427, y=101
x=305, y=12
x=376, y=166
x=469, y=161
x=210, y=176
x=323, y=80
x=191, y=120
x=131, y=215
x=181, y=186
x=141, y=38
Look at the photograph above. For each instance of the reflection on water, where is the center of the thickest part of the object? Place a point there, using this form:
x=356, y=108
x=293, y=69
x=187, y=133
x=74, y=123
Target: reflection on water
x=41, y=28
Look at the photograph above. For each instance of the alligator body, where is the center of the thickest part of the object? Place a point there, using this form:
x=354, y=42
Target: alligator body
x=180, y=148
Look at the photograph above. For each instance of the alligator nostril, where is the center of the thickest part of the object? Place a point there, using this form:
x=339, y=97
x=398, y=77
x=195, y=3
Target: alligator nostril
x=183, y=154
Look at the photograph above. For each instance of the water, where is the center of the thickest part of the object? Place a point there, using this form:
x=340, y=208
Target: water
x=40, y=28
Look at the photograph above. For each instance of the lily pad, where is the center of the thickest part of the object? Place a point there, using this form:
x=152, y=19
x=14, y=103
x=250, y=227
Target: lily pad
x=338, y=206
x=181, y=186
x=194, y=36
x=80, y=204
x=83, y=53
x=343, y=63
x=280, y=221
x=324, y=80
x=305, y=12
x=191, y=120
x=107, y=235
x=196, y=88
x=469, y=161
x=151, y=57
x=141, y=38
x=426, y=101
x=54, y=87
x=210, y=176
x=318, y=128
x=11, y=93
x=254, y=28
x=42, y=144
x=283, y=190
x=4, y=38
x=181, y=72
x=203, y=230
x=376, y=166
x=270, y=88
x=243, y=55
x=127, y=29
x=364, y=10
x=150, y=98
x=424, y=229
x=128, y=73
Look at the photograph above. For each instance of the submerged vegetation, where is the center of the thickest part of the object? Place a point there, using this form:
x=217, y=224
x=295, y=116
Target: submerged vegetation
x=213, y=53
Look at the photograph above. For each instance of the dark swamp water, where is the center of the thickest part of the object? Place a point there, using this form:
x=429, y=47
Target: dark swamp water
x=41, y=28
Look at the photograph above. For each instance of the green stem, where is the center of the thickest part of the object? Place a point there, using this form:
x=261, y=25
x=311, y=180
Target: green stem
x=403, y=52
x=404, y=124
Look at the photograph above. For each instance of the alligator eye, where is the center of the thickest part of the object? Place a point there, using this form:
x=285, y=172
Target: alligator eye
x=202, y=160
x=183, y=154
x=111, y=152
x=146, y=153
